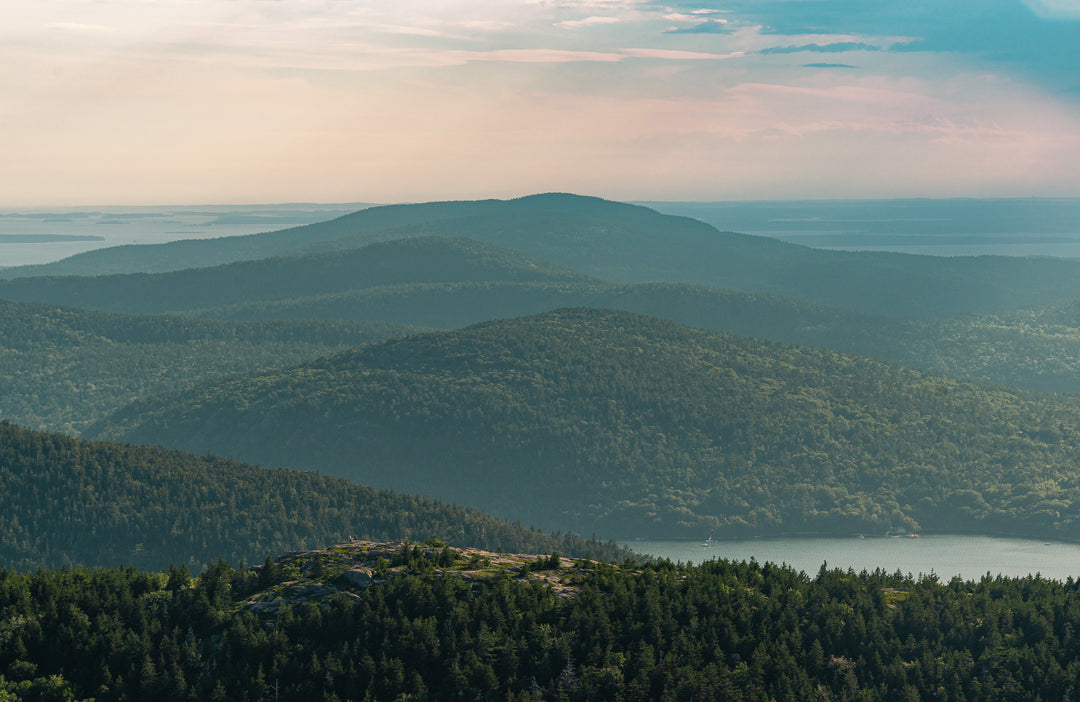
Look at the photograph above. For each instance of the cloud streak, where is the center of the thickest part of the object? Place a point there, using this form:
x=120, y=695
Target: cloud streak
x=364, y=100
x=839, y=47
x=587, y=22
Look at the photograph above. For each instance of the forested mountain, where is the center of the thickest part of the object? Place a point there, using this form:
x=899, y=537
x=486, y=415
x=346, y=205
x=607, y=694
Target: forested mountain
x=624, y=424
x=64, y=501
x=425, y=622
x=61, y=367
x=64, y=368
x=355, y=230
x=1033, y=349
x=627, y=244
x=395, y=262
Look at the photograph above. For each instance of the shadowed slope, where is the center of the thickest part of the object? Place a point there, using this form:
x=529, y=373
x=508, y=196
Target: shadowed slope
x=592, y=419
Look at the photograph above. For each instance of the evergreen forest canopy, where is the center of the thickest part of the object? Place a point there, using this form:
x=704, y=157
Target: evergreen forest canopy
x=1033, y=349
x=627, y=244
x=467, y=282
x=616, y=423
x=62, y=368
x=431, y=622
x=402, y=261
x=581, y=398
x=674, y=431
x=65, y=502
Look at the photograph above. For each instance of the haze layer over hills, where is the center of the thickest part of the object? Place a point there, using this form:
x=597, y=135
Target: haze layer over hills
x=617, y=423
x=626, y=243
x=590, y=418
x=63, y=367
x=65, y=502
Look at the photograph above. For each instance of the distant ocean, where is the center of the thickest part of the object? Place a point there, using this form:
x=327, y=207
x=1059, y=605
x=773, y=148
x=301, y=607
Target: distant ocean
x=958, y=227
x=1010, y=227
x=43, y=236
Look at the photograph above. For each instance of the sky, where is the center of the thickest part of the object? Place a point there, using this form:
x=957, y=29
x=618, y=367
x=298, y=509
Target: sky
x=254, y=101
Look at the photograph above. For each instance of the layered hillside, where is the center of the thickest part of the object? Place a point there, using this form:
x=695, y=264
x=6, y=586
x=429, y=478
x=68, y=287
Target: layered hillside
x=628, y=244
x=356, y=230
x=64, y=502
x=62, y=368
x=1032, y=349
x=623, y=424
x=402, y=261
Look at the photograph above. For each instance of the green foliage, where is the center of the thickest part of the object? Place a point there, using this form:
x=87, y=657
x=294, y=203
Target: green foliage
x=407, y=260
x=619, y=242
x=613, y=422
x=1032, y=349
x=61, y=367
x=64, y=501
x=721, y=630
x=367, y=226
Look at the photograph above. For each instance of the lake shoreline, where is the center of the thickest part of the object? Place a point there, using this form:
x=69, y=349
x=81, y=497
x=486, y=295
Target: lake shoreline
x=855, y=535
x=968, y=556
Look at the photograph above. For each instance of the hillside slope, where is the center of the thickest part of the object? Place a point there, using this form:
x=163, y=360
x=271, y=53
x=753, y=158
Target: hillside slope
x=629, y=244
x=373, y=224
x=395, y=262
x=608, y=421
x=64, y=501
x=1032, y=349
x=62, y=367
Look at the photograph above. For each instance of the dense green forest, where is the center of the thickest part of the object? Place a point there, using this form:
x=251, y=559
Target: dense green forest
x=1033, y=349
x=627, y=244
x=300, y=350
x=61, y=367
x=64, y=501
x=283, y=278
x=373, y=224
x=438, y=623
x=64, y=368
x=622, y=424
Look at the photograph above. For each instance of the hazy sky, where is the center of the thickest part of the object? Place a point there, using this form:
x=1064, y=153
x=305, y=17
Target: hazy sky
x=215, y=101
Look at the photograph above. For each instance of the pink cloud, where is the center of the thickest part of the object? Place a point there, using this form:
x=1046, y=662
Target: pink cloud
x=674, y=55
x=587, y=22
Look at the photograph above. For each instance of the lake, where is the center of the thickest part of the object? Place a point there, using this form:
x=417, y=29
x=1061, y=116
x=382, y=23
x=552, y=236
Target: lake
x=970, y=557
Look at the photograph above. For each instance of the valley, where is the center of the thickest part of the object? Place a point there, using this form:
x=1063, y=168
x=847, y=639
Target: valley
x=564, y=399
x=427, y=422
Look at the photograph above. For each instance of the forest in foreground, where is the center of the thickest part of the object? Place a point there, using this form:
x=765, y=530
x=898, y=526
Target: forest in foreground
x=367, y=621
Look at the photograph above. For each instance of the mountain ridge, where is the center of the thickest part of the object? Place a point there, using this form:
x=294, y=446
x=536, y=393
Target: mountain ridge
x=609, y=421
x=64, y=501
x=630, y=244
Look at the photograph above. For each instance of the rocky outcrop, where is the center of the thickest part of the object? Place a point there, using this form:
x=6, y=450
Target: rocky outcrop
x=306, y=577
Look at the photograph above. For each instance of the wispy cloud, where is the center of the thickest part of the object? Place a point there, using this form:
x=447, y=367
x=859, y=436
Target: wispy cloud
x=674, y=55
x=839, y=47
x=304, y=98
x=707, y=27
x=80, y=27
x=587, y=22
x=1055, y=9
x=538, y=56
x=697, y=21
